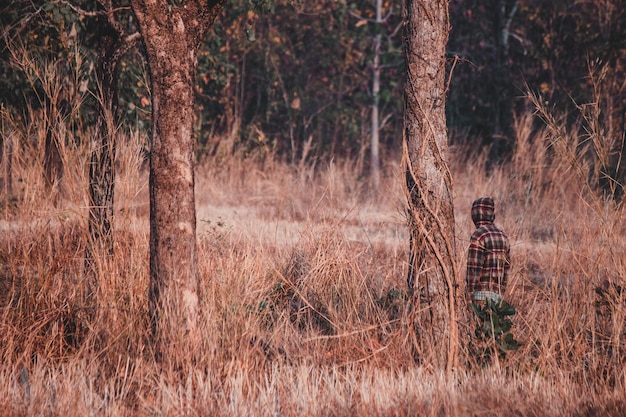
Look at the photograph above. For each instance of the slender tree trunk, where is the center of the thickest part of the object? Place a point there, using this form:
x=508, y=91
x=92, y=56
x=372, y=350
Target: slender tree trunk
x=503, y=14
x=432, y=278
x=101, y=168
x=52, y=162
x=375, y=144
x=112, y=46
x=6, y=160
x=171, y=36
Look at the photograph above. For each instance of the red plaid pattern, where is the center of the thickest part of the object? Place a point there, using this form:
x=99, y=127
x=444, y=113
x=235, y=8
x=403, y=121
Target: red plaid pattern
x=488, y=258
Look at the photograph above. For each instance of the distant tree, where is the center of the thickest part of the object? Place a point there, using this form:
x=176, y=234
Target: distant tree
x=376, y=66
x=375, y=117
x=306, y=79
x=432, y=279
x=573, y=57
x=483, y=92
x=172, y=32
x=6, y=162
x=34, y=62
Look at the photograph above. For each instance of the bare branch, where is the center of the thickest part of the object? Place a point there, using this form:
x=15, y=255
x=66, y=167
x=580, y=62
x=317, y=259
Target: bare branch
x=358, y=16
x=108, y=9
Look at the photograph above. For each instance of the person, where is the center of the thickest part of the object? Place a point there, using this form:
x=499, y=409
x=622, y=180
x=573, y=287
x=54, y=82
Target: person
x=489, y=257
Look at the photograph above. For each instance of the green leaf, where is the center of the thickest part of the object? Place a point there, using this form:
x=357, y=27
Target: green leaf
x=505, y=309
x=476, y=308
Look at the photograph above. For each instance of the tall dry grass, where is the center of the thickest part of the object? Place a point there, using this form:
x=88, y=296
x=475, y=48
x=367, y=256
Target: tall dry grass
x=302, y=273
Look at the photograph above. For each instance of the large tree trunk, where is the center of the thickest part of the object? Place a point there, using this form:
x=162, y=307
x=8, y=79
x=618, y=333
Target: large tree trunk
x=432, y=278
x=171, y=36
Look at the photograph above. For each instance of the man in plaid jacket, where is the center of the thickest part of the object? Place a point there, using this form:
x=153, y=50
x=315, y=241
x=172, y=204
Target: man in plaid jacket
x=488, y=259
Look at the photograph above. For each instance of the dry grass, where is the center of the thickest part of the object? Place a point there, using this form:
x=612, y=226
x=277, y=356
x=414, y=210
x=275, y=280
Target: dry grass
x=303, y=279
x=303, y=298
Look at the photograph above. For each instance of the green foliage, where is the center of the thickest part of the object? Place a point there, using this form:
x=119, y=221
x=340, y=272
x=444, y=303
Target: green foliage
x=306, y=75
x=504, y=45
x=25, y=29
x=308, y=71
x=71, y=41
x=263, y=6
x=493, y=331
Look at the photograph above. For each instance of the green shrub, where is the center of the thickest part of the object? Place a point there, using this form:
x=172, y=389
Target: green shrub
x=493, y=331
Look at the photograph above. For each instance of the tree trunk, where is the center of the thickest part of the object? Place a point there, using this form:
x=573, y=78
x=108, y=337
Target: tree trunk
x=6, y=161
x=113, y=44
x=432, y=277
x=502, y=17
x=171, y=36
x=53, y=162
x=375, y=143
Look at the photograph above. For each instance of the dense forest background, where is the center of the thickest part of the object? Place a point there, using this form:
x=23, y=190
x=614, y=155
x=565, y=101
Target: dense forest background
x=294, y=78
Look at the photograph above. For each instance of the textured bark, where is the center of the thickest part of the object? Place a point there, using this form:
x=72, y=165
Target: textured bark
x=171, y=36
x=113, y=44
x=432, y=279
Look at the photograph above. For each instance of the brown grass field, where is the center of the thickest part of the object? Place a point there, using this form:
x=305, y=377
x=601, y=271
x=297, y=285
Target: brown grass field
x=303, y=278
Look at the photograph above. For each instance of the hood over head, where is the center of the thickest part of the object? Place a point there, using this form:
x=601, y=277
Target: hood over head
x=483, y=210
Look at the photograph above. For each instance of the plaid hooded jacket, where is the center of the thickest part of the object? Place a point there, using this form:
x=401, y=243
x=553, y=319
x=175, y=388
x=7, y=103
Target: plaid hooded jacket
x=488, y=258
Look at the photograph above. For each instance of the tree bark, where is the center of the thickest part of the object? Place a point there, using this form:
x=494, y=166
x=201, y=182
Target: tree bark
x=113, y=44
x=171, y=36
x=432, y=277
